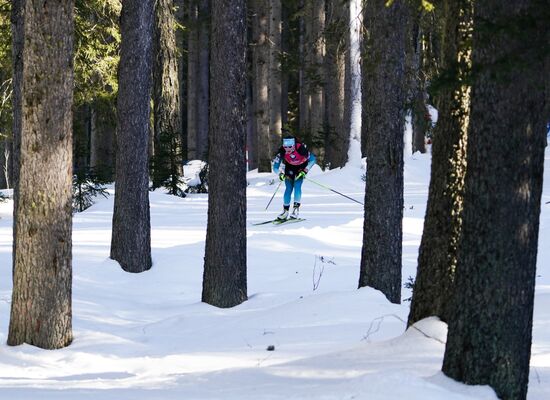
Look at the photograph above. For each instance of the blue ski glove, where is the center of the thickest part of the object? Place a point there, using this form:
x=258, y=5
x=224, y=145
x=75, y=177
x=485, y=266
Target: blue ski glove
x=282, y=176
x=301, y=175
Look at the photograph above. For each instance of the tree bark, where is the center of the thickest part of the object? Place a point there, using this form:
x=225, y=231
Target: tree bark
x=312, y=91
x=261, y=80
x=168, y=163
x=275, y=93
x=42, y=261
x=384, y=73
x=490, y=322
x=192, y=78
x=442, y=224
x=224, y=281
x=103, y=139
x=203, y=98
x=131, y=237
x=181, y=45
x=337, y=38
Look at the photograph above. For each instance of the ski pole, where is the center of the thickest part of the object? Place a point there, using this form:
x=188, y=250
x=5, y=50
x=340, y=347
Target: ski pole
x=332, y=190
x=276, y=190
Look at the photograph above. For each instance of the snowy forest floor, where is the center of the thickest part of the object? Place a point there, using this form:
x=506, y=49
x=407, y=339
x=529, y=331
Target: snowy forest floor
x=148, y=336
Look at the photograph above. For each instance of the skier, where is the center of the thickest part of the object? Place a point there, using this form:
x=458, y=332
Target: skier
x=297, y=160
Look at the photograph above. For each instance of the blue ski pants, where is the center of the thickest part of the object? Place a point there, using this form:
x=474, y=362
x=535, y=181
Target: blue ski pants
x=296, y=185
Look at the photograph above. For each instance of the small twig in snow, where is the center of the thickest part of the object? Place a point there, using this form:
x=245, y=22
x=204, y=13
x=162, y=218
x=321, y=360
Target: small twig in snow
x=369, y=332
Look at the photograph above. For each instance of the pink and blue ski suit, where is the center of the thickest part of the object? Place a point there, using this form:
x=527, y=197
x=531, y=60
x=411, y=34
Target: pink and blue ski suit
x=301, y=159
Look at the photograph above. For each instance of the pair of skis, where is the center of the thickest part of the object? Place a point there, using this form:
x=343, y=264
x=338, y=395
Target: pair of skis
x=280, y=221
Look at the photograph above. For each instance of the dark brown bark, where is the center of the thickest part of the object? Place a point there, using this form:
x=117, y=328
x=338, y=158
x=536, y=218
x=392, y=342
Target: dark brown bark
x=490, y=322
x=131, y=237
x=383, y=119
x=42, y=260
x=442, y=224
x=167, y=153
x=337, y=36
x=224, y=282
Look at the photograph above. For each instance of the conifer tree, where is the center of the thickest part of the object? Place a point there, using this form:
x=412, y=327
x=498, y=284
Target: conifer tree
x=167, y=168
x=224, y=281
x=442, y=224
x=41, y=308
x=131, y=237
x=491, y=316
x=383, y=123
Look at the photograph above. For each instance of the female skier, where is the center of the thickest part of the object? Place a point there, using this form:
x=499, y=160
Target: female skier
x=297, y=161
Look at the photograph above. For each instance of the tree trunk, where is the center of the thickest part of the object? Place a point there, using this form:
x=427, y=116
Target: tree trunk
x=192, y=78
x=131, y=238
x=5, y=160
x=312, y=104
x=224, y=281
x=181, y=45
x=384, y=73
x=442, y=225
x=103, y=139
x=203, y=98
x=490, y=321
x=275, y=119
x=337, y=34
x=42, y=261
x=261, y=72
x=352, y=99
x=418, y=93
x=251, y=136
x=168, y=164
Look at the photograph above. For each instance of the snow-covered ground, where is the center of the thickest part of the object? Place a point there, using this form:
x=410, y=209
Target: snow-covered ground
x=148, y=336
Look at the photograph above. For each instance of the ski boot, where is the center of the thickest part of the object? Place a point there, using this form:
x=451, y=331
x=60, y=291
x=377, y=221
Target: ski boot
x=284, y=215
x=295, y=211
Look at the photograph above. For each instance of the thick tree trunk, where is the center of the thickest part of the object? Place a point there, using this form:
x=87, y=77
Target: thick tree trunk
x=337, y=35
x=167, y=122
x=442, y=225
x=131, y=238
x=491, y=318
x=384, y=73
x=42, y=270
x=224, y=282
x=261, y=72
